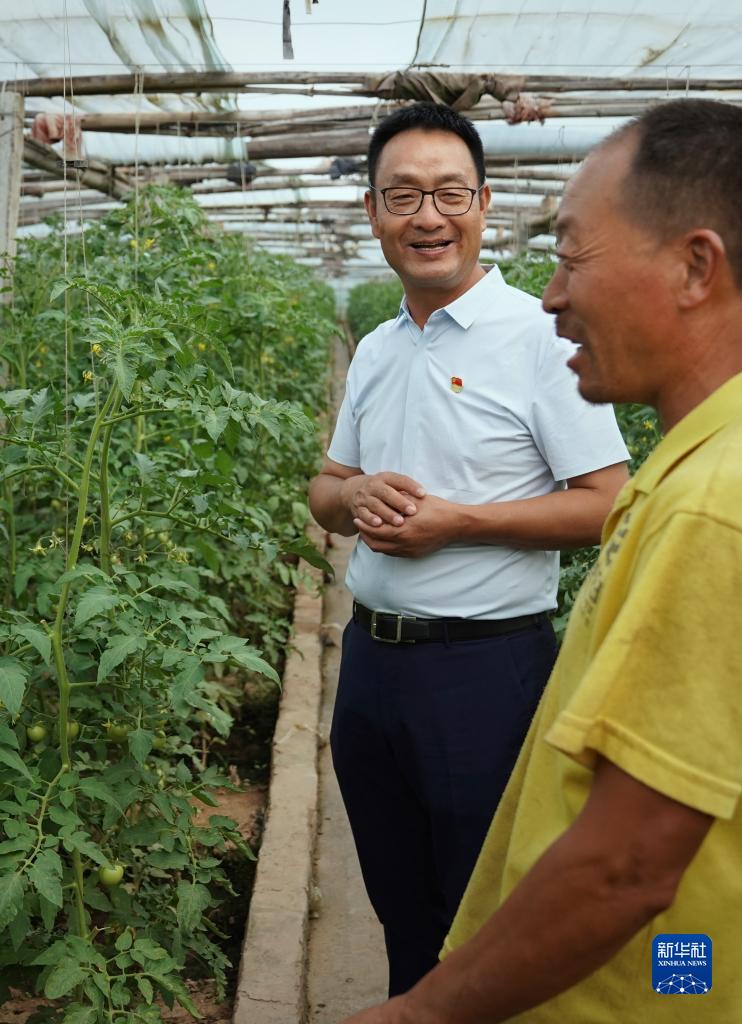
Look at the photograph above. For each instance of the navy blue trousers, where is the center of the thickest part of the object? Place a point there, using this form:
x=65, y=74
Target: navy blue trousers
x=424, y=737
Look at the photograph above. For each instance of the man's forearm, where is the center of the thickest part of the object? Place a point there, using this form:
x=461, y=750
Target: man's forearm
x=561, y=923
x=616, y=867
x=563, y=519
x=328, y=505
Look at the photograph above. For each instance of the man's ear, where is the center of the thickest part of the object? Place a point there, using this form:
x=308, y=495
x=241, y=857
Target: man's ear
x=369, y=201
x=705, y=262
x=485, y=198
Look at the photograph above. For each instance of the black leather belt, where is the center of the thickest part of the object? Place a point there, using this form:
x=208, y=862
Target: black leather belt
x=406, y=629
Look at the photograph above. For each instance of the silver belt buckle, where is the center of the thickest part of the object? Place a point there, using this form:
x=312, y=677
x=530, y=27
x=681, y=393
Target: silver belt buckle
x=397, y=639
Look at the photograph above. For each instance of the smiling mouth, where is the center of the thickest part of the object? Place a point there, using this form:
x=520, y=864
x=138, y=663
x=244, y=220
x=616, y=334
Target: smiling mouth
x=431, y=246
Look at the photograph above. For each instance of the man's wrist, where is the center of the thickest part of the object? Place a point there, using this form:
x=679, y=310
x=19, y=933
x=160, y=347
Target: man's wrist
x=474, y=523
x=345, y=493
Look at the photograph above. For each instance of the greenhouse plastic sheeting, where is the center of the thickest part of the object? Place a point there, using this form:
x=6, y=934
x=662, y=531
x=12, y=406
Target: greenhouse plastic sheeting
x=602, y=37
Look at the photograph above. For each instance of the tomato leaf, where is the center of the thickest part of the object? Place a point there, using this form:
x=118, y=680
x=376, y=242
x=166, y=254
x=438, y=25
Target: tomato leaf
x=11, y=898
x=119, y=648
x=12, y=760
x=176, y=987
x=145, y=987
x=93, y=602
x=12, y=684
x=63, y=979
x=140, y=744
x=193, y=899
x=45, y=875
x=77, y=1014
x=38, y=639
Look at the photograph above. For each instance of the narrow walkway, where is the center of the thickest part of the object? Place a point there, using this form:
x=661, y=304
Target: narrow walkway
x=346, y=960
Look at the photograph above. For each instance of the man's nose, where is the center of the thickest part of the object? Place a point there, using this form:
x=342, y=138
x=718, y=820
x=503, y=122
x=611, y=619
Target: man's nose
x=554, y=299
x=428, y=215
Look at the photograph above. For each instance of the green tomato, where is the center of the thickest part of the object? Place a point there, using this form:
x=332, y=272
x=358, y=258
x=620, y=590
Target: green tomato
x=36, y=732
x=160, y=740
x=111, y=876
x=116, y=732
x=73, y=730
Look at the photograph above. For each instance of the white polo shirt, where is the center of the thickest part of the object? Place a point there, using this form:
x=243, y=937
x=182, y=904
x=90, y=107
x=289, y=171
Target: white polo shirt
x=478, y=407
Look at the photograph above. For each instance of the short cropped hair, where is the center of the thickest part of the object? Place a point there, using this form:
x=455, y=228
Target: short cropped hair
x=430, y=117
x=687, y=171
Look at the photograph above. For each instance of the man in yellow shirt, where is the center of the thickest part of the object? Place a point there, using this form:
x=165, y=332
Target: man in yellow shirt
x=609, y=887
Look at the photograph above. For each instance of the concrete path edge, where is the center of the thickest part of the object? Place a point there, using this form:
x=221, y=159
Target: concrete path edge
x=271, y=984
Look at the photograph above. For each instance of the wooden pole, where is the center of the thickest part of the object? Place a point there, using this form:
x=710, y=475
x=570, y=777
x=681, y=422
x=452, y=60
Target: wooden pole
x=233, y=121
x=332, y=143
x=98, y=175
x=11, y=155
x=356, y=83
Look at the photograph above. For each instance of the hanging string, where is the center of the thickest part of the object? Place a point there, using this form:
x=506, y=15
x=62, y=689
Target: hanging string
x=67, y=71
x=138, y=95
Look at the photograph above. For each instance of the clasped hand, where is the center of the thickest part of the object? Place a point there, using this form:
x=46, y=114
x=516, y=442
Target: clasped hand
x=394, y=515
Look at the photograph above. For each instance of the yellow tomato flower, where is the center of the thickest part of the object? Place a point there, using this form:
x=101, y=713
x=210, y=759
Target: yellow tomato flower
x=211, y=265
x=88, y=375
x=201, y=346
x=96, y=349
x=148, y=243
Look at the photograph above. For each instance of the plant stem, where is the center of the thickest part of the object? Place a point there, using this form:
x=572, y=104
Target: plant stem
x=56, y=638
x=105, y=502
x=156, y=513
x=136, y=414
x=12, y=548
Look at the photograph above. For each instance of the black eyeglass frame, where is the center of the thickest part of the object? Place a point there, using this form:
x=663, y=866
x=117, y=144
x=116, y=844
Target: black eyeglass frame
x=427, y=192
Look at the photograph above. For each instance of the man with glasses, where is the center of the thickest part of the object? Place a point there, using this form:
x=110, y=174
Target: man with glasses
x=463, y=458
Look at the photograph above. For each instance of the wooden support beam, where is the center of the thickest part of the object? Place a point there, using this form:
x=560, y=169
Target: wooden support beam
x=96, y=175
x=331, y=143
x=355, y=83
x=11, y=152
x=230, y=122
x=176, y=82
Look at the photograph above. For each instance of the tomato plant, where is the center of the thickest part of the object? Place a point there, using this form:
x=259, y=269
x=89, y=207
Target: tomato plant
x=157, y=435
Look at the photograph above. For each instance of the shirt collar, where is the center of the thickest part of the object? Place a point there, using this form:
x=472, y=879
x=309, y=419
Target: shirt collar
x=465, y=310
x=722, y=407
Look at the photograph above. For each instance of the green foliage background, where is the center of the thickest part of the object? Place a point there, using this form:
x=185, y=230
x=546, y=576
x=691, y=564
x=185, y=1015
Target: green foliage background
x=158, y=427
x=372, y=302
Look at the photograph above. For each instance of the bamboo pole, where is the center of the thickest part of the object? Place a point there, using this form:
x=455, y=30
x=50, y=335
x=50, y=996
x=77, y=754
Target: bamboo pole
x=358, y=83
x=244, y=120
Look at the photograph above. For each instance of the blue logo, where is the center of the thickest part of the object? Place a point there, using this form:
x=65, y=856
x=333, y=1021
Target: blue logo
x=681, y=965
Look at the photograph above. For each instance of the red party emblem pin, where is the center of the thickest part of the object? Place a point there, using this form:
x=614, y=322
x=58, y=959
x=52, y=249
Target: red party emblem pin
x=456, y=384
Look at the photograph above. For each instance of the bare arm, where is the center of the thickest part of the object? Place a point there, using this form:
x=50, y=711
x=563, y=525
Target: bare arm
x=561, y=519
x=338, y=494
x=607, y=876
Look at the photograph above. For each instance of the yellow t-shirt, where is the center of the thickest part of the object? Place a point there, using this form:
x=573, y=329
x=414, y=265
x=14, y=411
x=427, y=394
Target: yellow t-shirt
x=650, y=677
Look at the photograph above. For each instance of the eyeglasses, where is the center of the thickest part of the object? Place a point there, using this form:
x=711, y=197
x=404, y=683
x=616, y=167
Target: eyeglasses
x=451, y=202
